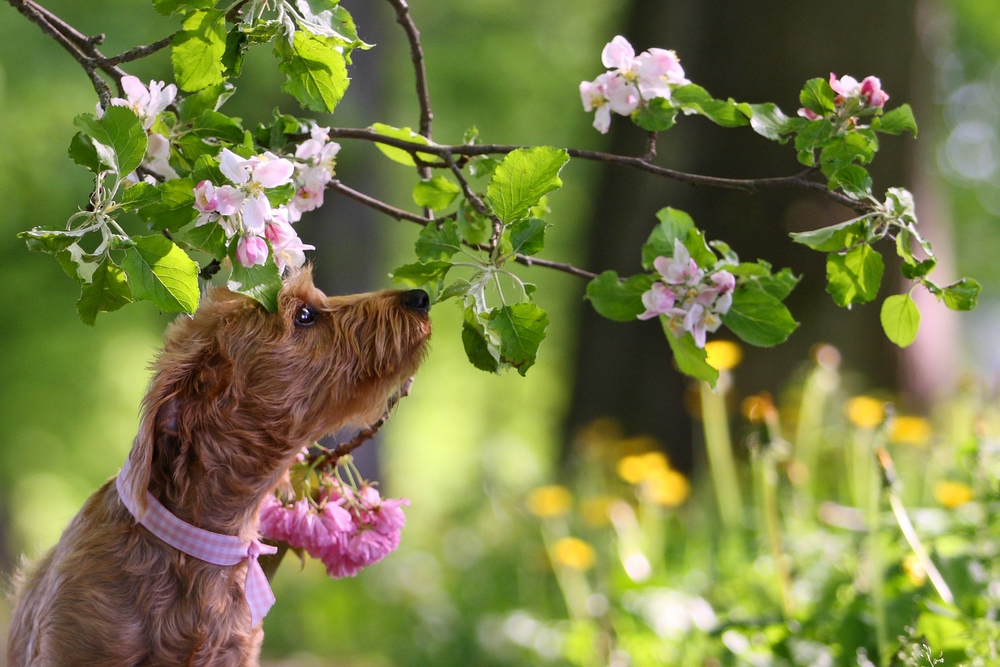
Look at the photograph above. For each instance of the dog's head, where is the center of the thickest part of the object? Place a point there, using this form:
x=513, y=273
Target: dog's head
x=238, y=390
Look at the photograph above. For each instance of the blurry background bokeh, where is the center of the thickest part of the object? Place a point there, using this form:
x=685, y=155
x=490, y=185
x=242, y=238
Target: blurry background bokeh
x=69, y=394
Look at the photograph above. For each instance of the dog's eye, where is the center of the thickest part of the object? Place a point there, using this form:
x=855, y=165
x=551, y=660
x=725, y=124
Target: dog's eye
x=306, y=316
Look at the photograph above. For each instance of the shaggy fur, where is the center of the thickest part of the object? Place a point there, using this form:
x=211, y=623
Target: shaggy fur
x=237, y=392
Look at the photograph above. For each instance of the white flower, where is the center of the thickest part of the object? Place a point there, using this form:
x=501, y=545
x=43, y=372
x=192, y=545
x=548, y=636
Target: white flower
x=158, y=156
x=147, y=103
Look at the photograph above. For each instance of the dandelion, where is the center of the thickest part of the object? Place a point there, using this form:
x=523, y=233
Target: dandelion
x=865, y=411
x=547, y=502
x=759, y=409
x=952, y=494
x=666, y=487
x=723, y=355
x=914, y=570
x=913, y=431
x=636, y=468
x=573, y=553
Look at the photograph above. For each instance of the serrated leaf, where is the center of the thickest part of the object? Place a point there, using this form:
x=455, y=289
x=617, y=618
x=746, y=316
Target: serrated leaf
x=721, y=112
x=198, y=50
x=700, y=252
x=460, y=287
x=261, y=282
x=522, y=178
x=833, y=238
x=674, y=224
x=76, y=263
x=160, y=272
x=429, y=276
x=817, y=96
x=121, y=131
x=107, y=291
x=778, y=285
x=527, y=236
x=521, y=328
x=175, y=208
x=316, y=71
x=897, y=121
x=139, y=195
x=235, y=54
x=690, y=359
x=481, y=352
x=656, y=115
x=962, y=295
x=618, y=300
x=210, y=238
x=900, y=319
x=434, y=243
x=758, y=317
x=51, y=241
x=406, y=134
x=852, y=179
x=473, y=227
x=168, y=7
x=82, y=151
x=854, y=277
x=436, y=193
x=842, y=150
x=212, y=124
x=769, y=121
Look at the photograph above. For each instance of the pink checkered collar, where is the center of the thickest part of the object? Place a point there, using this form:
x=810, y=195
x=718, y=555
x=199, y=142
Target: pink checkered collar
x=204, y=545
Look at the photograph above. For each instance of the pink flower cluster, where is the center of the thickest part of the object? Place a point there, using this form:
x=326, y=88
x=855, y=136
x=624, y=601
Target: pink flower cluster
x=347, y=530
x=633, y=81
x=691, y=300
x=242, y=208
x=317, y=160
x=148, y=103
x=853, y=95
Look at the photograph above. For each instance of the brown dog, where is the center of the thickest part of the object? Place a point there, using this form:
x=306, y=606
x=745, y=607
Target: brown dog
x=237, y=392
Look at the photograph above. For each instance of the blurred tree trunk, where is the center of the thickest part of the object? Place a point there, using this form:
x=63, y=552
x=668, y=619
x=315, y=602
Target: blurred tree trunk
x=756, y=52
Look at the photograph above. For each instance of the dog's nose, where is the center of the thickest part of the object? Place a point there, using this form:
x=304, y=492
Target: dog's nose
x=417, y=299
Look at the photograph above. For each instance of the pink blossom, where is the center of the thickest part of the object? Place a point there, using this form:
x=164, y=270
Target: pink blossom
x=658, y=69
x=276, y=521
x=700, y=320
x=658, y=300
x=251, y=250
x=809, y=113
x=594, y=95
x=679, y=269
x=618, y=53
x=278, y=231
x=147, y=103
x=230, y=200
x=845, y=87
x=205, y=198
x=266, y=170
x=291, y=253
x=871, y=90
x=622, y=95
x=157, y=158
x=724, y=280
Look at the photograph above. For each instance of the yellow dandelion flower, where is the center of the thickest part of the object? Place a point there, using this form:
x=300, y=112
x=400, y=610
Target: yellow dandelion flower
x=952, y=494
x=573, y=553
x=723, y=354
x=595, y=510
x=914, y=431
x=549, y=501
x=759, y=409
x=914, y=570
x=666, y=487
x=865, y=411
x=633, y=469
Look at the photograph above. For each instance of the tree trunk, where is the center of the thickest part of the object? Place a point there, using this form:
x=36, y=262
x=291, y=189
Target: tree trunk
x=755, y=52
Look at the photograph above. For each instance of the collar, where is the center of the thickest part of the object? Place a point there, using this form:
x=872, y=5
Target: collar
x=205, y=545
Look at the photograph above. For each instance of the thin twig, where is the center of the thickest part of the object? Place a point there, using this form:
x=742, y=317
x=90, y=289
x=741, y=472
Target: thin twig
x=650, y=147
x=558, y=266
x=137, y=53
x=328, y=456
x=419, y=70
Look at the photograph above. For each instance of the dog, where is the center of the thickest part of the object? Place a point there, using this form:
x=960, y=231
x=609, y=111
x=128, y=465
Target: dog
x=236, y=394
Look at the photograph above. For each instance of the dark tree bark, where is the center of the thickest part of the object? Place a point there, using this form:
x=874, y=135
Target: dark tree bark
x=756, y=52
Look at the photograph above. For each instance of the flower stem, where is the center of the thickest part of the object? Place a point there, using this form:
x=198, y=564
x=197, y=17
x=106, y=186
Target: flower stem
x=720, y=455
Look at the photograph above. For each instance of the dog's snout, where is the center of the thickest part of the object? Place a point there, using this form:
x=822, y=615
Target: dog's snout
x=416, y=299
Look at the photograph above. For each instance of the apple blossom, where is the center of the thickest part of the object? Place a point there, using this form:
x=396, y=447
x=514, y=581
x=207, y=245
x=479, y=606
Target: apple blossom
x=680, y=269
x=658, y=300
x=147, y=103
x=157, y=158
x=658, y=70
x=316, y=169
x=595, y=98
x=871, y=90
x=251, y=250
x=252, y=176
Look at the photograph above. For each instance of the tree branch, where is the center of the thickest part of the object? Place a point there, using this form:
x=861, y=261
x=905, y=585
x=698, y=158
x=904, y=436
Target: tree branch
x=417, y=55
x=138, y=52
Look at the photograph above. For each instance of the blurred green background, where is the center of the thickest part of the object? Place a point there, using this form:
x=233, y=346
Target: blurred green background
x=69, y=394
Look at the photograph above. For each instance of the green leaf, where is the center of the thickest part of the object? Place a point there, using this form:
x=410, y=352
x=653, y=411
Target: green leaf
x=51, y=241
x=429, y=276
x=809, y=136
x=674, y=224
x=436, y=193
x=434, y=243
x=212, y=124
x=76, y=263
x=406, y=134
x=834, y=237
x=316, y=71
x=460, y=287
x=779, y=285
x=758, y=317
x=690, y=359
x=768, y=121
x=817, y=96
x=261, y=282
x=527, y=236
x=721, y=112
x=483, y=165
x=523, y=176
x=235, y=54
x=175, y=208
x=618, y=300
x=139, y=195
x=852, y=179
x=474, y=228
x=210, y=238
x=962, y=295
x=280, y=195
x=656, y=115
x=198, y=50
x=897, y=121
x=478, y=348
x=521, y=328
x=121, y=131
x=206, y=99
x=168, y=7
x=82, y=152
x=107, y=291
x=841, y=151
x=900, y=319
x=160, y=272
x=854, y=277
x=700, y=252
x=206, y=168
